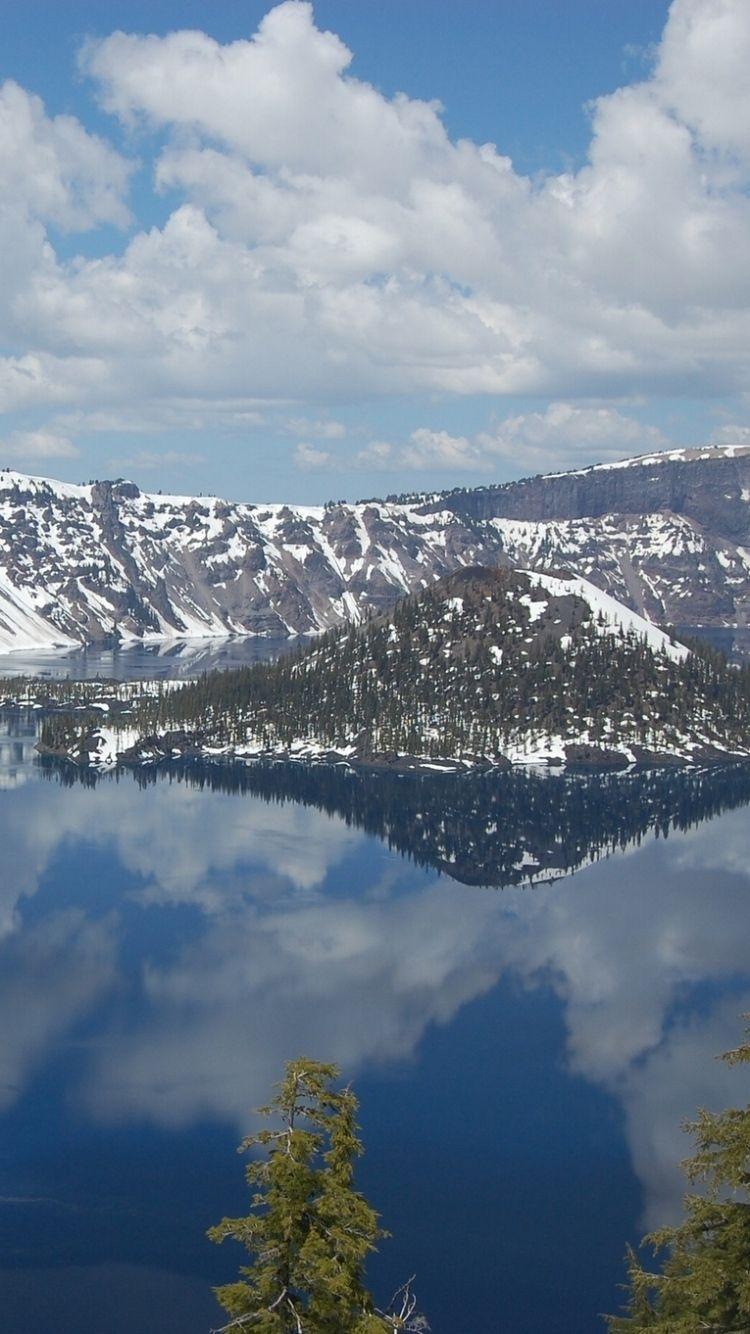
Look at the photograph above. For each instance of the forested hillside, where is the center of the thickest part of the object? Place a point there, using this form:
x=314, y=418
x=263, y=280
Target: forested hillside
x=487, y=663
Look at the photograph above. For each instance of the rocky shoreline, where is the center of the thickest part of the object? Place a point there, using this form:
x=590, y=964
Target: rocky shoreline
x=98, y=749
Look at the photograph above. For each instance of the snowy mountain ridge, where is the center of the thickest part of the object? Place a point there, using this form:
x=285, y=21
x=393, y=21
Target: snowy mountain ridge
x=666, y=534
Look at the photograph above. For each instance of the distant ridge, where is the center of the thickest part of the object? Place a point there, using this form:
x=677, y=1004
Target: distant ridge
x=667, y=534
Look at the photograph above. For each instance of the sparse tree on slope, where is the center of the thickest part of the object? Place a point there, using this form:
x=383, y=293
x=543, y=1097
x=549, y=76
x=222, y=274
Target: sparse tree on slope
x=309, y=1231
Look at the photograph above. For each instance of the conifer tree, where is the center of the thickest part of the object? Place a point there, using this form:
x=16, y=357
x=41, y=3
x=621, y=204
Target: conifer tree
x=703, y=1286
x=309, y=1231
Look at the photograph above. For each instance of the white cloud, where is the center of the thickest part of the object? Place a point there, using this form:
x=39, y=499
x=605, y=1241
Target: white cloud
x=376, y=454
x=731, y=434
x=361, y=201
x=146, y=459
x=54, y=169
x=328, y=242
x=566, y=433
x=562, y=434
x=308, y=457
x=42, y=444
x=438, y=449
x=327, y=429
x=703, y=72
x=37, y=379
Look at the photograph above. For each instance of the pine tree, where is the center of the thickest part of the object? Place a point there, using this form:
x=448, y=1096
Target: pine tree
x=704, y=1282
x=309, y=1231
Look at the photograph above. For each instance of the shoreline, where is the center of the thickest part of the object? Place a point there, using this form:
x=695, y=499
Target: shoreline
x=100, y=751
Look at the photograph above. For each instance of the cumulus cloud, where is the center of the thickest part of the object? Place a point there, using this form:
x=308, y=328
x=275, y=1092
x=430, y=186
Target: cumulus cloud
x=563, y=431
x=376, y=454
x=42, y=444
x=580, y=435
x=56, y=171
x=327, y=242
x=147, y=459
x=438, y=449
x=703, y=73
x=327, y=182
x=306, y=456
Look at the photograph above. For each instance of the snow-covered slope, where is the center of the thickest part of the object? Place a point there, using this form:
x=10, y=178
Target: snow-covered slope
x=669, y=535
x=608, y=616
x=86, y=563
x=664, y=565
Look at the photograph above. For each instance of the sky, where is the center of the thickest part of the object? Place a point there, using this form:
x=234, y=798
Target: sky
x=301, y=252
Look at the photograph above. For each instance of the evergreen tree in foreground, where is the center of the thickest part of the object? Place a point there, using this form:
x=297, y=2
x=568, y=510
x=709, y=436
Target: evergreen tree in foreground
x=309, y=1231
x=704, y=1283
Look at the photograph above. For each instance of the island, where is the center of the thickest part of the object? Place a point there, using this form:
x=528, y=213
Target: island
x=487, y=667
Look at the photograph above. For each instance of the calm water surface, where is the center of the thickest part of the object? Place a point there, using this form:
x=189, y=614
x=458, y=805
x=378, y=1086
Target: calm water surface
x=523, y=1056
x=176, y=659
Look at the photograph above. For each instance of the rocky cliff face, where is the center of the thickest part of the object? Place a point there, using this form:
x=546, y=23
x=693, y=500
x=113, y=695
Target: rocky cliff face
x=710, y=487
x=85, y=564
x=668, y=535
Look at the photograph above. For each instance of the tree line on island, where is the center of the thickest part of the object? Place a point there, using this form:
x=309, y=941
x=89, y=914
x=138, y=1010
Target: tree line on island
x=477, y=663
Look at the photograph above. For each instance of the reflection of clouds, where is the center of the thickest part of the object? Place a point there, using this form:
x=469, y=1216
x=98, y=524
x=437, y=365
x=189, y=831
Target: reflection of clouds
x=34, y=824
x=623, y=940
x=357, y=980
x=162, y=835
x=50, y=975
x=625, y=944
x=17, y=742
x=668, y=1088
x=721, y=845
x=51, y=972
x=360, y=978
x=279, y=967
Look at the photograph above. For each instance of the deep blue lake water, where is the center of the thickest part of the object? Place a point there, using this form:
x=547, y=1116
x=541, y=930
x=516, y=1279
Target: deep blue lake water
x=524, y=1056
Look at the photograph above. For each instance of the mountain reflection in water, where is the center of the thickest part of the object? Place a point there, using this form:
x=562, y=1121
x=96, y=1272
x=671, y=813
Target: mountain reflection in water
x=524, y=1060
x=478, y=828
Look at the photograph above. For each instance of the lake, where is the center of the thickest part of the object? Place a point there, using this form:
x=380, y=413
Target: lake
x=524, y=1053
x=174, y=659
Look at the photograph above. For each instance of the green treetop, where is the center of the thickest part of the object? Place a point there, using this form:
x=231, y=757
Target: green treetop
x=704, y=1283
x=309, y=1231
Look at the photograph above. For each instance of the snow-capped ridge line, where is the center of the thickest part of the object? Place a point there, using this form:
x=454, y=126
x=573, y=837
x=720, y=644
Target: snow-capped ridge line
x=667, y=535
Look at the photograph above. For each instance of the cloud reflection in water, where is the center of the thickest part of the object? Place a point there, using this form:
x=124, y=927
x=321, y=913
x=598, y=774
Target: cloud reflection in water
x=289, y=931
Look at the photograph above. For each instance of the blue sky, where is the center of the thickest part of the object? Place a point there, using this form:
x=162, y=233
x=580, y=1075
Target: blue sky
x=262, y=260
